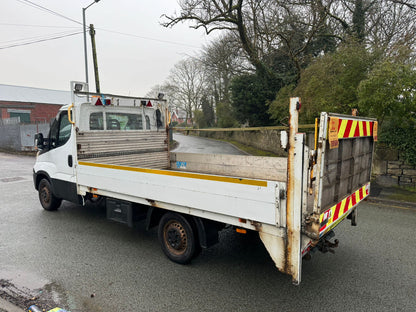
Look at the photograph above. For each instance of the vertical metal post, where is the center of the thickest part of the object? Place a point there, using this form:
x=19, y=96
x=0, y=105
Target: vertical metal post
x=85, y=45
x=294, y=195
x=319, y=169
x=94, y=57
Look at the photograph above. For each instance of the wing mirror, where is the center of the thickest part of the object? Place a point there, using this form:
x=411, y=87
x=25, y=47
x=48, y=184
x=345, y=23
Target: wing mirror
x=39, y=141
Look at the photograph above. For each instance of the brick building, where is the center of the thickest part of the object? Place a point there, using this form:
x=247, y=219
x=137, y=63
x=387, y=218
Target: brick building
x=32, y=105
x=179, y=116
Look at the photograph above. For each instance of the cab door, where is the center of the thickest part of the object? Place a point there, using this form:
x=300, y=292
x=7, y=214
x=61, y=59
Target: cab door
x=57, y=160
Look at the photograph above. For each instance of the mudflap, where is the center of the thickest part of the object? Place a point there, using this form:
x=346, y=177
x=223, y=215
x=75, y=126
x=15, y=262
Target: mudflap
x=275, y=246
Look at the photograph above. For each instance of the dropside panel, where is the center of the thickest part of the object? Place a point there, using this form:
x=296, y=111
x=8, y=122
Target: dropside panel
x=255, y=167
x=249, y=199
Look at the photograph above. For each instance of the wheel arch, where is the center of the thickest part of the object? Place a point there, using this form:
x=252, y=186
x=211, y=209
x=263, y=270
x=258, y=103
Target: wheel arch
x=38, y=176
x=207, y=231
x=153, y=216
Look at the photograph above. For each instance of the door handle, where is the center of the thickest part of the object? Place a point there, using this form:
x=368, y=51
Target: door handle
x=70, y=162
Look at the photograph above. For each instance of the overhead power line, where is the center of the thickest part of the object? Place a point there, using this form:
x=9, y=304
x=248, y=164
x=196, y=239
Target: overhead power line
x=106, y=30
x=39, y=40
x=42, y=8
x=40, y=26
x=39, y=37
x=147, y=38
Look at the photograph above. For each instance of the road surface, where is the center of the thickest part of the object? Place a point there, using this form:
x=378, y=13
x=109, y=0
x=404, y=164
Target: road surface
x=87, y=263
x=193, y=144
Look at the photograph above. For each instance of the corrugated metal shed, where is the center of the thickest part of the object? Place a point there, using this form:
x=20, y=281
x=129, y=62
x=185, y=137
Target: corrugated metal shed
x=34, y=95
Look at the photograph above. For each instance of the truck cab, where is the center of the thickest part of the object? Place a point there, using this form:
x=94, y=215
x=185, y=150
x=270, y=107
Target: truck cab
x=54, y=172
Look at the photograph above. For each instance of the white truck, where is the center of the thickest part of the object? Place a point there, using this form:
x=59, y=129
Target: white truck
x=117, y=148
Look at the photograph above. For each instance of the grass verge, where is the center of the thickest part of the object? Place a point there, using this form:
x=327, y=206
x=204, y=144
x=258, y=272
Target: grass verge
x=403, y=194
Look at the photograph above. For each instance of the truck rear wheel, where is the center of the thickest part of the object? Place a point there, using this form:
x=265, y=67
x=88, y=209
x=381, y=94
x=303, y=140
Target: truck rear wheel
x=48, y=201
x=177, y=238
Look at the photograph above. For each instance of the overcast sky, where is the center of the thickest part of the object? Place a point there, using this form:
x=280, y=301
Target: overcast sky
x=128, y=65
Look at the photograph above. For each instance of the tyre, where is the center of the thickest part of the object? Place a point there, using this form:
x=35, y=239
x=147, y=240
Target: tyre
x=47, y=199
x=177, y=238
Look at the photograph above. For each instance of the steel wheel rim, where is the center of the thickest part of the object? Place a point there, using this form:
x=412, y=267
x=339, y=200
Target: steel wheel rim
x=175, y=237
x=45, y=195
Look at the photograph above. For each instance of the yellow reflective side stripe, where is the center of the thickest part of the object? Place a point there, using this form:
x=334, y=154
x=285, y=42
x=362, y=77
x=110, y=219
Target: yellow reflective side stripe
x=179, y=174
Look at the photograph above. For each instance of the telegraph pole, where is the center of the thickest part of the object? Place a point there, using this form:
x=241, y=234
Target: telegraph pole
x=94, y=56
x=85, y=44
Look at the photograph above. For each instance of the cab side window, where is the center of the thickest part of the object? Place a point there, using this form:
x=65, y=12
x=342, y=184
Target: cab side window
x=64, y=129
x=60, y=131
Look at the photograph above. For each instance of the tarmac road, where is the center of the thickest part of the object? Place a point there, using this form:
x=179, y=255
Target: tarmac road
x=193, y=144
x=87, y=263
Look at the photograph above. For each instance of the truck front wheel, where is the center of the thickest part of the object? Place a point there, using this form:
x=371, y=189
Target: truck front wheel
x=47, y=199
x=177, y=238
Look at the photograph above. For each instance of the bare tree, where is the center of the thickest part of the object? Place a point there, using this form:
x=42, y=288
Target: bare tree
x=409, y=3
x=380, y=24
x=185, y=85
x=155, y=90
x=392, y=25
x=262, y=26
x=222, y=60
x=291, y=26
